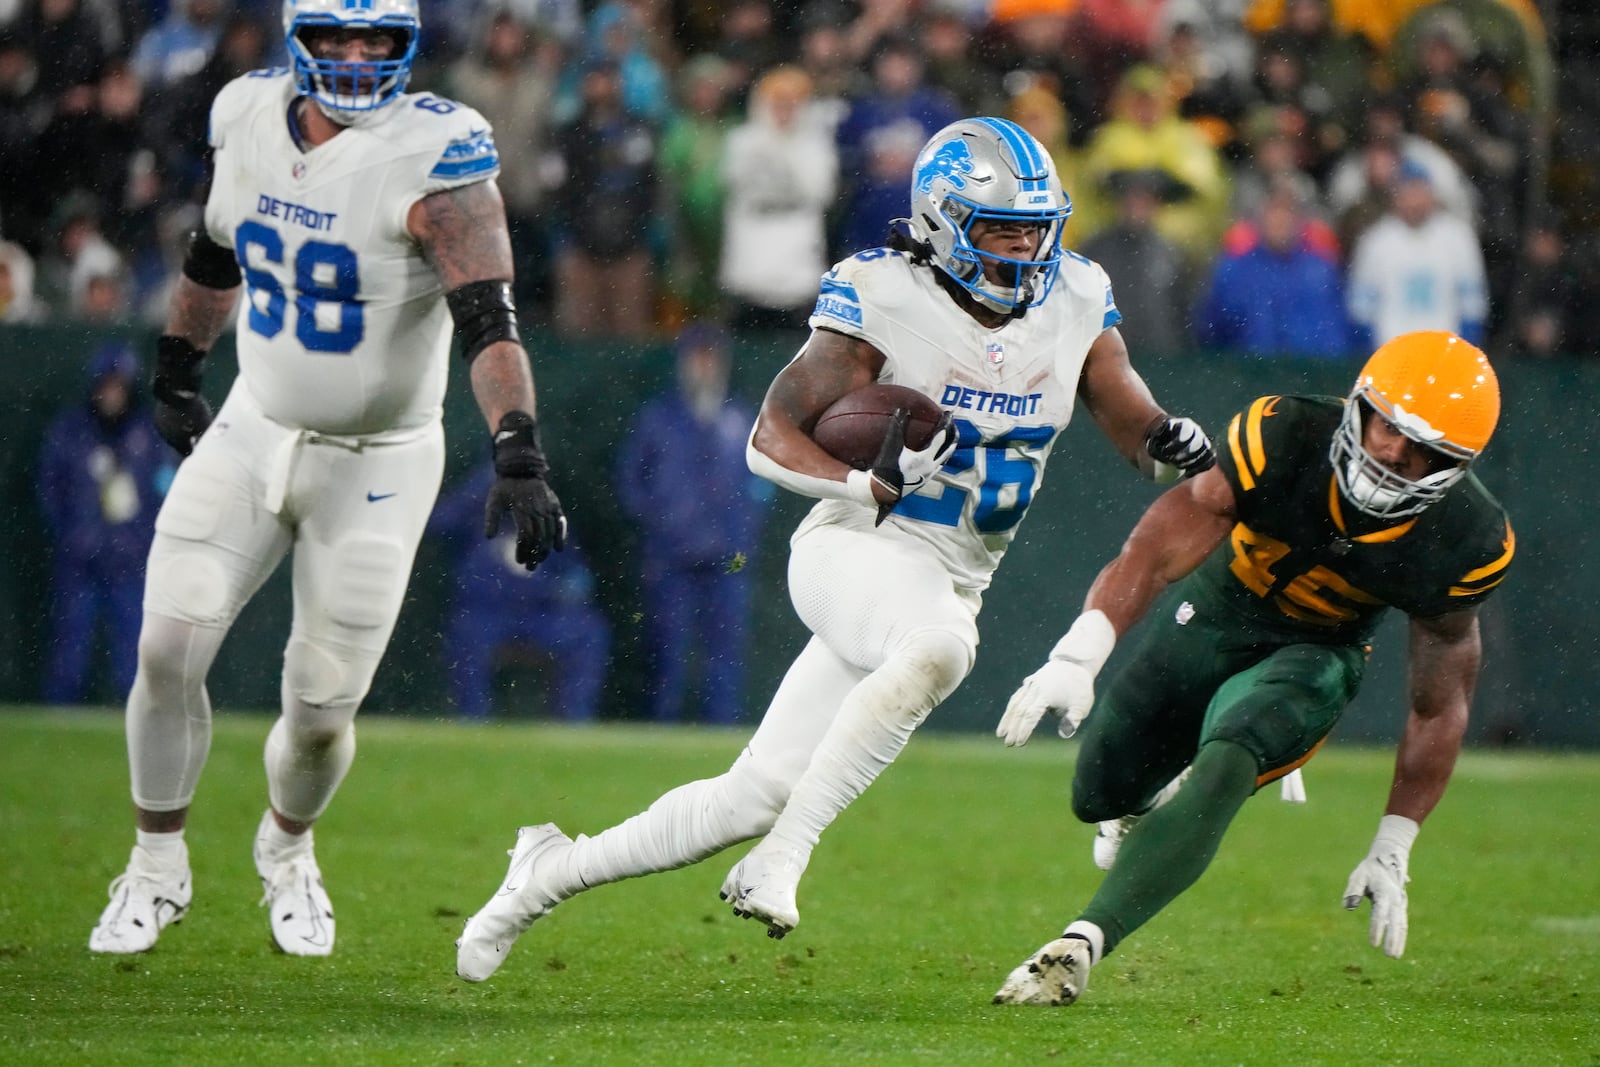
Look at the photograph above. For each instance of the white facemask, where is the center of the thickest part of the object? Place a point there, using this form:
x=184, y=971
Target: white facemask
x=1367, y=493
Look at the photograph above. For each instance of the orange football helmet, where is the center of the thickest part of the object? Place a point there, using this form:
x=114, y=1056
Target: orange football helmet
x=1436, y=389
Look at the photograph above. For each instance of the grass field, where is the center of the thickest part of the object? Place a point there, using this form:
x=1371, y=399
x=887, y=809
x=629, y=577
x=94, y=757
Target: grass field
x=961, y=860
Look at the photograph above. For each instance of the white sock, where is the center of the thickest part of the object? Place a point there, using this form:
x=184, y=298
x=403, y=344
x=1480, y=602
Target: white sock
x=1091, y=933
x=683, y=826
x=167, y=849
x=275, y=841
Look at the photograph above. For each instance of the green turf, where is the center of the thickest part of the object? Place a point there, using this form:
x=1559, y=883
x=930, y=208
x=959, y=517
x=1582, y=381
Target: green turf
x=958, y=863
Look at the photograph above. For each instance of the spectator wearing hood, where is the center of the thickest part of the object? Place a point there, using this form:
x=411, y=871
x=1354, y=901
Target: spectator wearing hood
x=615, y=36
x=102, y=473
x=682, y=477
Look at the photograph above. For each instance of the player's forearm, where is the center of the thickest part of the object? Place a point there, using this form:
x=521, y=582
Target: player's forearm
x=502, y=381
x=794, y=462
x=1124, y=591
x=1424, y=763
x=1173, y=537
x=1444, y=654
x=199, y=314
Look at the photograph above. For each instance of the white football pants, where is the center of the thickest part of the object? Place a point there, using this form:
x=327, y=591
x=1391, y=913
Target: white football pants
x=353, y=510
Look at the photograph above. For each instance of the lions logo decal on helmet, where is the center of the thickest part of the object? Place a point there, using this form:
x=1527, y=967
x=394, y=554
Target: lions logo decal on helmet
x=950, y=161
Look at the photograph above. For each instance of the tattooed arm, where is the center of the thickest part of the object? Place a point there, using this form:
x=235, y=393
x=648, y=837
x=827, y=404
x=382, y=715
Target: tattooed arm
x=199, y=314
x=463, y=235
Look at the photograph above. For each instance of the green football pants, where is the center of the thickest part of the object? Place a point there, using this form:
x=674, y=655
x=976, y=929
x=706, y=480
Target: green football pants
x=1189, y=684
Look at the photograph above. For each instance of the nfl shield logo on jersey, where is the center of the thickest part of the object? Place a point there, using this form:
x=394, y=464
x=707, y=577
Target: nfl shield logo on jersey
x=995, y=354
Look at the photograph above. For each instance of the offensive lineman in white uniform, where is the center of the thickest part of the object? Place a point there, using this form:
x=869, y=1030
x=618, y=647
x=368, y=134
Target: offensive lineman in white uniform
x=361, y=220
x=888, y=569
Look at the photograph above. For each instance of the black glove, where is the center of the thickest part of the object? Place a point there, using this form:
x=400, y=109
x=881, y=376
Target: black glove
x=519, y=487
x=181, y=414
x=1180, y=443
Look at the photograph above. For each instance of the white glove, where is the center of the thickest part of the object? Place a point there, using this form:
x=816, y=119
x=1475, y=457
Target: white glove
x=1381, y=878
x=903, y=470
x=1064, y=686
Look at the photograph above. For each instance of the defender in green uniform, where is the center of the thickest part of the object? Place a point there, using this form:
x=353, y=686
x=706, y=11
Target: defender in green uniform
x=1318, y=517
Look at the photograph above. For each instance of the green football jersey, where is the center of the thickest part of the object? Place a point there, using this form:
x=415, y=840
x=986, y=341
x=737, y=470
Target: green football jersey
x=1304, y=564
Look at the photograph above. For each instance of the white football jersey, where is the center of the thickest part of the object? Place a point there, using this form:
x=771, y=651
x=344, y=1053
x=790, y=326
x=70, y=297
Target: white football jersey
x=343, y=329
x=1011, y=391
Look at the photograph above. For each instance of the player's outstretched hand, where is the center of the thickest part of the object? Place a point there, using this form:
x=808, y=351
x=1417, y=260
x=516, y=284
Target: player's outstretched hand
x=1061, y=687
x=1381, y=878
x=903, y=470
x=1064, y=686
x=520, y=489
x=1180, y=448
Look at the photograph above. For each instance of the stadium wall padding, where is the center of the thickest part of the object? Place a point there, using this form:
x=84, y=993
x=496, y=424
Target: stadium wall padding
x=1541, y=634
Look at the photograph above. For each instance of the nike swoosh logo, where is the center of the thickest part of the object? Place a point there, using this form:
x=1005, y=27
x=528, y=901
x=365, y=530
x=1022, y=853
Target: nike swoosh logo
x=516, y=875
x=373, y=498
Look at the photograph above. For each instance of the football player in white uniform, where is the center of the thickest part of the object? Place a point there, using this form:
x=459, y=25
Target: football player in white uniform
x=360, y=220
x=979, y=307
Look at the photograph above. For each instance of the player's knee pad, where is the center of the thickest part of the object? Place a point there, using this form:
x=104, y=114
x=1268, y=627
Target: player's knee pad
x=1091, y=805
x=935, y=661
x=1106, y=784
x=370, y=574
x=187, y=584
x=329, y=681
x=174, y=655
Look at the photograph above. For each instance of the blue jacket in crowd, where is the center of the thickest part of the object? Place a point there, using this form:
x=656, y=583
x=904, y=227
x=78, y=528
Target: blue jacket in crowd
x=687, y=486
x=699, y=512
x=1272, y=303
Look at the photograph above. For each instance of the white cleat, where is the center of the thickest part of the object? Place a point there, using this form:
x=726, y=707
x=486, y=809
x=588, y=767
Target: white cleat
x=1054, y=976
x=1108, y=840
x=145, y=899
x=297, y=905
x=763, y=886
x=523, y=898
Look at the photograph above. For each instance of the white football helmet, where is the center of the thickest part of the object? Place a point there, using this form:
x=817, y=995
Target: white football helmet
x=988, y=169
x=351, y=94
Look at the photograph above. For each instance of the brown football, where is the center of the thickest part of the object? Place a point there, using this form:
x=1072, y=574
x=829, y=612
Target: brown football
x=852, y=428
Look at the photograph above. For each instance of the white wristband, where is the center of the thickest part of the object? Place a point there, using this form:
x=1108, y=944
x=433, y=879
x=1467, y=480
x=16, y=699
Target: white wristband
x=1089, y=642
x=859, y=485
x=1398, y=831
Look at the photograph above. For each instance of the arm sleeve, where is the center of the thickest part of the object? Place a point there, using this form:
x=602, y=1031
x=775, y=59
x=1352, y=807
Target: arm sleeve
x=857, y=487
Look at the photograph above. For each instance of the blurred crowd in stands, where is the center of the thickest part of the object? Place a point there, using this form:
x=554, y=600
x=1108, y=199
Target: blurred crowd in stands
x=1300, y=177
